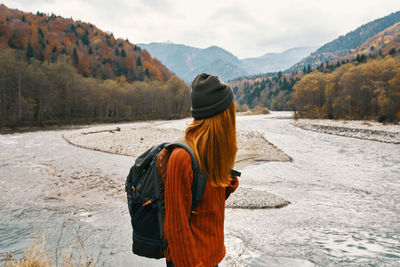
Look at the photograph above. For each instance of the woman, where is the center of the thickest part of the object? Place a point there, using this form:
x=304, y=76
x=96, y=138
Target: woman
x=212, y=136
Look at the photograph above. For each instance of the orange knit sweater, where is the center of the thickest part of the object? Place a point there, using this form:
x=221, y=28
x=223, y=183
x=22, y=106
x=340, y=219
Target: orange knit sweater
x=200, y=244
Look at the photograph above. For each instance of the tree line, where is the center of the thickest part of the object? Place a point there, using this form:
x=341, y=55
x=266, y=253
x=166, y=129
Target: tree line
x=369, y=90
x=44, y=93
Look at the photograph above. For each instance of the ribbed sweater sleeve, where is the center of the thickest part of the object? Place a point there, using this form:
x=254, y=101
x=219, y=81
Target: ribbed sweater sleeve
x=178, y=198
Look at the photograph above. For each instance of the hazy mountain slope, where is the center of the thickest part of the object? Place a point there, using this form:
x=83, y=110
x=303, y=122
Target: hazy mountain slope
x=343, y=44
x=272, y=62
x=187, y=61
x=225, y=70
x=382, y=43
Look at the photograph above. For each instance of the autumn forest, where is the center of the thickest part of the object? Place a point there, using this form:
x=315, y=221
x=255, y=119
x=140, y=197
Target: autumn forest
x=369, y=90
x=56, y=70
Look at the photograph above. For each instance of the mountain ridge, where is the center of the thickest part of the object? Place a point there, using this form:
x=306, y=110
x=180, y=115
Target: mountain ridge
x=187, y=61
x=274, y=90
x=272, y=62
x=343, y=44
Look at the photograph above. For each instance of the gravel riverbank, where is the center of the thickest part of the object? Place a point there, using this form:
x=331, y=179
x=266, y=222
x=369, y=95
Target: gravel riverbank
x=374, y=131
x=134, y=139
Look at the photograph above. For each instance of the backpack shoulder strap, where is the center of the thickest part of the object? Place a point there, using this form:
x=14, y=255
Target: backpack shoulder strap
x=199, y=177
x=141, y=163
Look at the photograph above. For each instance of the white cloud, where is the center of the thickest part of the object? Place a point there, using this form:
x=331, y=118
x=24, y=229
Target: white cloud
x=247, y=28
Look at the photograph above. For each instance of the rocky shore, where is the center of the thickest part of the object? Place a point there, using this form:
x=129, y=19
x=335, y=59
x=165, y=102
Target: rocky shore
x=374, y=131
x=134, y=139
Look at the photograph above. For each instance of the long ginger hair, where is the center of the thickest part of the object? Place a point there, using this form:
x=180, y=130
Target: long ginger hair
x=213, y=141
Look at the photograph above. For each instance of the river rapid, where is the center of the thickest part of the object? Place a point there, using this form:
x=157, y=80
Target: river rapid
x=344, y=194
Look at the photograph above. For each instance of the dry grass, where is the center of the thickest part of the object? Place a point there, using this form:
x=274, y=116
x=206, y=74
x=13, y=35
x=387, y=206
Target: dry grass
x=38, y=255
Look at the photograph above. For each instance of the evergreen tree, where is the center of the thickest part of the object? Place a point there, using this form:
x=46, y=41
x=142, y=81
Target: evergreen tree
x=90, y=51
x=85, y=38
x=29, y=52
x=361, y=58
x=147, y=73
x=116, y=52
x=54, y=54
x=11, y=42
x=309, y=70
x=75, y=58
x=40, y=32
x=123, y=54
x=138, y=62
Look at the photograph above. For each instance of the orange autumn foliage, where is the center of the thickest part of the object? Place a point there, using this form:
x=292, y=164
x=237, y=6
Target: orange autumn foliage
x=95, y=48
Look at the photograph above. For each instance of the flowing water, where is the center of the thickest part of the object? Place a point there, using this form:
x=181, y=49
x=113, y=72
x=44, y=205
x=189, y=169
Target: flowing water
x=344, y=193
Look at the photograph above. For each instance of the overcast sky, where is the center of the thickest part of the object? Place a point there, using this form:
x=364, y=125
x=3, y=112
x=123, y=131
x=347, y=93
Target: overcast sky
x=247, y=28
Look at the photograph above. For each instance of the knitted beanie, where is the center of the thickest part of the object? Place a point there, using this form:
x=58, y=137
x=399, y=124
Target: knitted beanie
x=209, y=96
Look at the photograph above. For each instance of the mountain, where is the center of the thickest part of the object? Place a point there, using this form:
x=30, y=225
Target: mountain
x=93, y=52
x=187, y=62
x=274, y=90
x=383, y=43
x=343, y=45
x=272, y=62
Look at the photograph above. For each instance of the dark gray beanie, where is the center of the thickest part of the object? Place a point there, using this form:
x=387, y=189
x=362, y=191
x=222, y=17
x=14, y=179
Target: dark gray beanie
x=209, y=96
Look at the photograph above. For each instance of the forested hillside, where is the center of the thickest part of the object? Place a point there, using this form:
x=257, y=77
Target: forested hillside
x=344, y=44
x=368, y=90
x=274, y=90
x=55, y=71
x=385, y=42
x=92, y=52
x=36, y=93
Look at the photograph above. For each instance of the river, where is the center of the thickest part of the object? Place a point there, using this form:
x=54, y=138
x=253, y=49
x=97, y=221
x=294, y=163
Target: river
x=344, y=194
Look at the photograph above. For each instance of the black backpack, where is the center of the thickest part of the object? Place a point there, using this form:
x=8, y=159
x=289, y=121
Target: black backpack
x=145, y=193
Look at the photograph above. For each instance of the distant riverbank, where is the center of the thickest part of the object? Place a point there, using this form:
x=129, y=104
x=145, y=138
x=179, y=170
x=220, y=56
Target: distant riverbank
x=369, y=130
